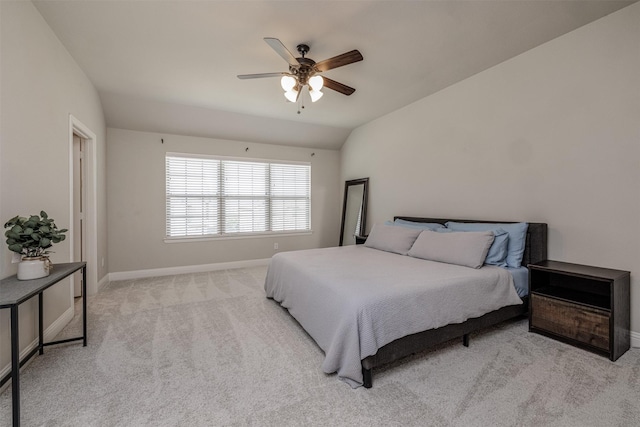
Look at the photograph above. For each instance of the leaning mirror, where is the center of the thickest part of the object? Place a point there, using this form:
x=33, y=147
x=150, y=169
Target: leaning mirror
x=354, y=211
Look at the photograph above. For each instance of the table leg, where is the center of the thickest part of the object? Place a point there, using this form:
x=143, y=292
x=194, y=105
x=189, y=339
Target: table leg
x=40, y=324
x=84, y=306
x=15, y=367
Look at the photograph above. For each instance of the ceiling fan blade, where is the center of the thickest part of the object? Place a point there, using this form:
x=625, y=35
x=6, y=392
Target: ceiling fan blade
x=339, y=61
x=337, y=86
x=281, y=50
x=261, y=75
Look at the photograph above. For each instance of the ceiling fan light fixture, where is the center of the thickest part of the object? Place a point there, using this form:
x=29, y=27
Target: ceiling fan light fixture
x=306, y=73
x=288, y=83
x=315, y=95
x=316, y=82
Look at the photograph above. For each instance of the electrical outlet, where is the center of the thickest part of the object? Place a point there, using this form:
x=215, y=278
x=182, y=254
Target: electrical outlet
x=102, y=262
x=16, y=258
x=275, y=246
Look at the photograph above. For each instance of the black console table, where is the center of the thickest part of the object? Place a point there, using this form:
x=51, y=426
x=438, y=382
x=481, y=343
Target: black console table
x=14, y=292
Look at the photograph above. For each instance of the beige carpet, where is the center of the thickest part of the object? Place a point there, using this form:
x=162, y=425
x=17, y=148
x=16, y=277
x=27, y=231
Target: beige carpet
x=210, y=350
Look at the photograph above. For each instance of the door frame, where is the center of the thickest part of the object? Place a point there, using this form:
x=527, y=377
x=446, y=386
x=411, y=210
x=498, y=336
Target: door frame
x=90, y=216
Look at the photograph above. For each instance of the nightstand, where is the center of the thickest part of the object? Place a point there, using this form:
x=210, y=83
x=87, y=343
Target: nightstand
x=582, y=305
x=360, y=239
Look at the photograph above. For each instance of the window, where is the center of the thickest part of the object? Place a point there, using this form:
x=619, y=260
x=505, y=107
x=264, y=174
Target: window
x=214, y=197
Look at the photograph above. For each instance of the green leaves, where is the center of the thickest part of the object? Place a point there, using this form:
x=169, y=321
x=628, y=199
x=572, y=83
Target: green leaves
x=13, y=221
x=31, y=236
x=12, y=235
x=16, y=247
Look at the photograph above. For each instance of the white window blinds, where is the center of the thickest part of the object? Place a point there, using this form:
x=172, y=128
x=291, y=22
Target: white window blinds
x=245, y=195
x=290, y=201
x=208, y=197
x=192, y=196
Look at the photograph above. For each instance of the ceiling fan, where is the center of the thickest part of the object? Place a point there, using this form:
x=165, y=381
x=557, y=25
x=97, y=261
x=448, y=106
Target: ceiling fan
x=305, y=71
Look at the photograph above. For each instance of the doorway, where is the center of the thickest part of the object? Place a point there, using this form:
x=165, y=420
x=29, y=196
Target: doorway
x=79, y=208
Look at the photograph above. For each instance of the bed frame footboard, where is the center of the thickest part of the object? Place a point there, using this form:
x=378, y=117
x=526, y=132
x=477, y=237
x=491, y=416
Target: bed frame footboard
x=422, y=341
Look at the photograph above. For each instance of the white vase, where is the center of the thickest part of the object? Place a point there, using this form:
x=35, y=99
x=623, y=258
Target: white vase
x=33, y=268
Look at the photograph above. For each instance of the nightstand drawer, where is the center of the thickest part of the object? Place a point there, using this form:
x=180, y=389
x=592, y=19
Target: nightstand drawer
x=581, y=323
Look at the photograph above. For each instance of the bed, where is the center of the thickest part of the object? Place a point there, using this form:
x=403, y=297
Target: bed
x=366, y=307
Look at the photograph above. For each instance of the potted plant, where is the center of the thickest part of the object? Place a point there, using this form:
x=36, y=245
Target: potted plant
x=31, y=237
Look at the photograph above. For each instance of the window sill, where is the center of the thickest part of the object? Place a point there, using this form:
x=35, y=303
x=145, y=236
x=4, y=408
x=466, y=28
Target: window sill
x=232, y=237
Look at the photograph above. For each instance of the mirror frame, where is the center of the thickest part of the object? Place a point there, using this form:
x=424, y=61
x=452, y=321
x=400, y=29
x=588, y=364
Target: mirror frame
x=365, y=192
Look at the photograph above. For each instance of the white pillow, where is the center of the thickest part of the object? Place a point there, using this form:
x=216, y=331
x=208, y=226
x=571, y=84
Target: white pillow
x=468, y=249
x=391, y=238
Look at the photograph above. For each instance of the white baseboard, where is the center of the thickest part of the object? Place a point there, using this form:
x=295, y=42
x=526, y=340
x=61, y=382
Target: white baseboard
x=56, y=327
x=635, y=339
x=170, y=271
x=104, y=281
x=49, y=334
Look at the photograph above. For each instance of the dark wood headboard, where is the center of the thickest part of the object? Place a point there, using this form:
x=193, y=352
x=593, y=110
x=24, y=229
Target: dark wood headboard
x=535, y=249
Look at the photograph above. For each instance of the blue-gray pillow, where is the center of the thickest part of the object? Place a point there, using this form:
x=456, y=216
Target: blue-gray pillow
x=497, y=252
x=516, y=242
x=499, y=249
x=421, y=225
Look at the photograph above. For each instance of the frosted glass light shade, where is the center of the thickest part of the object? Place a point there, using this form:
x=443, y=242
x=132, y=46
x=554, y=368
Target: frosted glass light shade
x=315, y=95
x=287, y=83
x=291, y=95
x=316, y=82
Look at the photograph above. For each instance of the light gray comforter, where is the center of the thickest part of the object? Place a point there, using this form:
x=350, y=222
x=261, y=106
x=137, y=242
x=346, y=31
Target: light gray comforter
x=353, y=300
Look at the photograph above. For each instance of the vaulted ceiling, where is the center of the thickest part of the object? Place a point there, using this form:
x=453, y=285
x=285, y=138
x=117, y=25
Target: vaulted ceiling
x=171, y=66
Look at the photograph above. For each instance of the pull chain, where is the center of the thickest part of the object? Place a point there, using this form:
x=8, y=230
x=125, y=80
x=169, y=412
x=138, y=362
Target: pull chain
x=300, y=102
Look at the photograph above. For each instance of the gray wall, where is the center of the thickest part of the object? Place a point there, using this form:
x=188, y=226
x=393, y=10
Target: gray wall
x=41, y=86
x=136, y=183
x=552, y=135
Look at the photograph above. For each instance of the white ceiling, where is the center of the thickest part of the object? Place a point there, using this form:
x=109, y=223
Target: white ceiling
x=171, y=66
